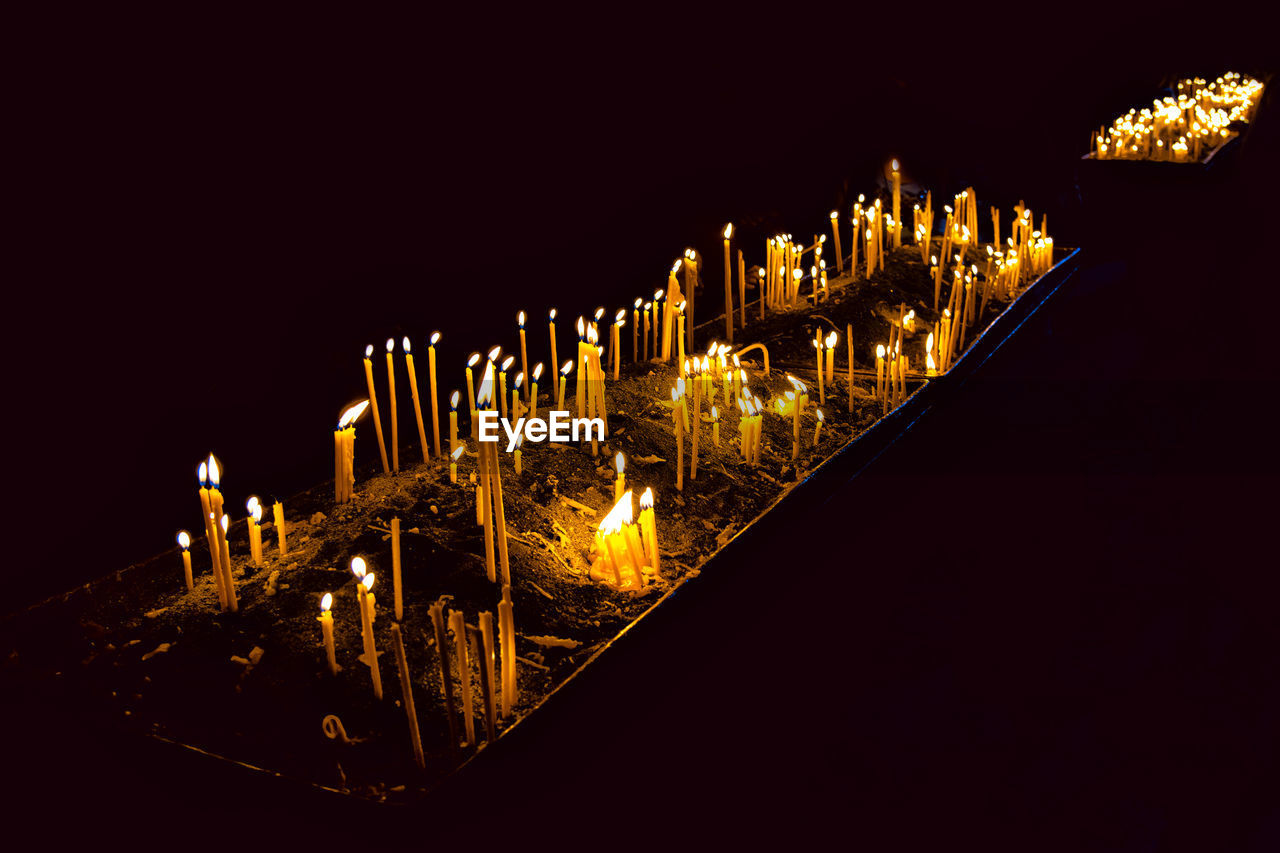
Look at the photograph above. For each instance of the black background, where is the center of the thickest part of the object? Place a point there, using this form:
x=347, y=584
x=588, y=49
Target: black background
x=215, y=216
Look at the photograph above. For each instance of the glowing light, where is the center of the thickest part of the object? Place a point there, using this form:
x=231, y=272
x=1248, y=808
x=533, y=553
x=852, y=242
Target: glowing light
x=326, y=602
x=184, y=539
x=352, y=414
x=358, y=567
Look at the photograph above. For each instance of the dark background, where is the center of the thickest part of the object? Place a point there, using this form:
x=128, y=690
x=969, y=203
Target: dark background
x=218, y=215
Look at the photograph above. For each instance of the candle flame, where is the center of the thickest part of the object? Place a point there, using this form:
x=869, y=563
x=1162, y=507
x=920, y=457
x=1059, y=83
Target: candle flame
x=203, y=473
x=495, y=353
x=618, y=516
x=928, y=344
x=256, y=512
x=676, y=266
x=646, y=500
x=894, y=164
x=592, y=335
x=326, y=602
x=680, y=307
x=520, y=319
x=820, y=415
x=251, y=503
x=215, y=471
x=358, y=567
x=567, y=368
x=184, y=539
x=537, y=371
x=715, y=415
x=929, y=363
x=553, y=315
x=226, y=522
x=680, y=387
x=457, y=454
x=728, y=231
x=657, y=294
x=405, y=343
x=621, y=316
x=879, y=350
x=368, y=351
x=352, y=414
x=582, y=327
x=519, y=379
x=471, y=362
x=484, y=396
x=391, y=344
x=639, y=300
x=367, y=582
x=453, y=400
x=435, y=338
x=599, y=313
x=507, y=362
x=646, y=305
x=834, y=214
x=619, y=463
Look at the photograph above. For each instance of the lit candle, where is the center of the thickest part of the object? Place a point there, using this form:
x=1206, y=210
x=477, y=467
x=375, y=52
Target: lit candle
x=579, y=386
x=715, y=426
x=373, y=402
x=524, y=352
x=817, y=427
x=458, y=624
x=848, y=342
x=832, y=340
x=184, y=541
x=648, y=529
x=835, y=232
x=406, y=691
x=453, y=464
x=896, y=177
x=224, y=550
x=680, y=331
x=533, y=395
x=564, y=378
x=697, y=426
x=728, y=286
x=364, y=591
x=879, y=370
x=471, y=392
x=277, y=513
x=326, y=629
x=635, y=331
x=615, y=343
x=822, y=386
x=453, y=421
x=518, y=463
x=502, y=382
x=397, y=594
x=413, y=393
x=344, y=452
x=395, y=421
x=255, y=531
x=657, y=321
x=435, y=399
x=647, y=309
x=206, y=507
x=676, y=403
x=619, y=484
x=552, y=325
x=515, y=396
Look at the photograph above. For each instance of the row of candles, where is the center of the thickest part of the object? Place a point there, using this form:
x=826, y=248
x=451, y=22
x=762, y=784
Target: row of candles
x=1180, y=128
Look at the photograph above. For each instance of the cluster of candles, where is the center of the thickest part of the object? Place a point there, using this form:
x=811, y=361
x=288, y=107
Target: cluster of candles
x=1181, y=128
x=626, y=555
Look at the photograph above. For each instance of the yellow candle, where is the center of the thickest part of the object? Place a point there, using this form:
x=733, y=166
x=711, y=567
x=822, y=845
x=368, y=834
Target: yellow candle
x=471, y=392
x=507, y=638
x=435, y=399
x=364, y=591
x=515, y=396
x=518, y=464
x=446, y=677
x=817, y=427
x=822, y=387
x=697, y=427
x=524, y=352
x=619, y=484
x=676, y=403
x=502, y=383
x=635, y=331
x=406, y=691
x=255, y=531
x=458, y=624
x=680, y=334
x=648, y=529
x=184, y=541
x=227, y=580
x=564, y=378
x=373, y=402
x=488, y=678
x=879, y=370
x=417, y=404
x=453, y=422
x=648, y=308
x=277, y=513
x=615, y=343
x=326, y=628
x=206, y=507
x=395, y=569
x=728, y=286
x=897, y=201
x=832, y=340
x=395, y=422
x=453, y=464
x=835, y=233
x=715, y=426
x=552, y=325
x=533, y=394
x=848, y=342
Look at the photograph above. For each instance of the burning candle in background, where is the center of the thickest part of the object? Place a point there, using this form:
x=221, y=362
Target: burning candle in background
x=184, y=542
x=517, y=460
x=224, y=550
x=524, y=351
x=368, y=613
x=831, y=341
x=619, y=484
x=715, y=426
x=255, y=530
x=471, y=393
x=515, y=395
x=896, y=178
x=677, y=400
x=373, y=403
x=635, y=331
x=206, y=508
x=277, y=514
x=835, y=233
x=344, y=440
x=728, y=285
x=435, y=399
x=533, y=394
x=326, y=628
x=391, y=393
x=645, y=349
x=413, y=393
x=649, y=530
x=822, y=385
x=552, y=325
x=502, y=383
x=220, y=533
x=615, y=341
x=818, y=426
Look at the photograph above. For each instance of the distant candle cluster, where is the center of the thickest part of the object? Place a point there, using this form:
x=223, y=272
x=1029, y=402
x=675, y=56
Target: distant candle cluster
x=1181, y=129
